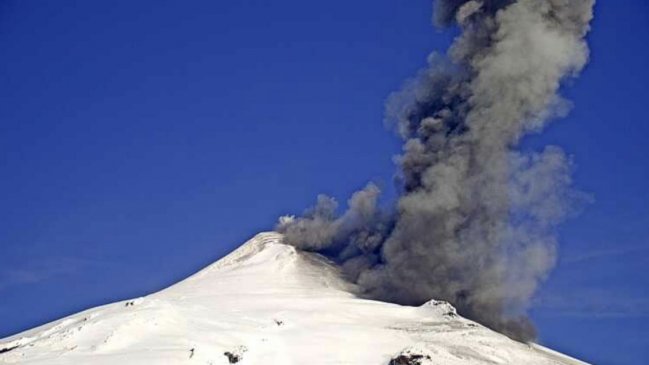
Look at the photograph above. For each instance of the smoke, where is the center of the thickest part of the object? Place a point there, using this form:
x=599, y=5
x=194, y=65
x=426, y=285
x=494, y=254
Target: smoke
x=475, y=222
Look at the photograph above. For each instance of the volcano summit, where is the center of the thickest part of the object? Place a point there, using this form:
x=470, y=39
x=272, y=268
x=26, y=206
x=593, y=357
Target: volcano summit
x=268, y=303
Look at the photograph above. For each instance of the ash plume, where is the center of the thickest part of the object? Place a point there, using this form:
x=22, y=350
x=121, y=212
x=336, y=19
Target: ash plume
x=475, y=221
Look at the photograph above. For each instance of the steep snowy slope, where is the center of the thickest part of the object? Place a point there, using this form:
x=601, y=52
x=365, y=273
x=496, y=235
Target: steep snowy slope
x=266, y=303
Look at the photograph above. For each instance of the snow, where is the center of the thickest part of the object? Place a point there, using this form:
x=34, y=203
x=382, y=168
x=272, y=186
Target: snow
x=267, y=303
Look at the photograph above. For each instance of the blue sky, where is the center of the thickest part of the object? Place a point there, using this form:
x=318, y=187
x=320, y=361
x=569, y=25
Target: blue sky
x=140, y=141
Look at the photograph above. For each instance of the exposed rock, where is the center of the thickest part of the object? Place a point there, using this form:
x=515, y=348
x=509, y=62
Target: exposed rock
x=409, y=359
x=7, y=349
x=236, y=355
x=412, y=356
x=232, y=358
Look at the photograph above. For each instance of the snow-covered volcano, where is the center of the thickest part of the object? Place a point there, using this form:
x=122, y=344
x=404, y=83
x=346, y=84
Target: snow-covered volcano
x=267, y=303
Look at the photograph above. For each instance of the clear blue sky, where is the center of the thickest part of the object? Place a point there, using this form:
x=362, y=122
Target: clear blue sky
x=142, y=140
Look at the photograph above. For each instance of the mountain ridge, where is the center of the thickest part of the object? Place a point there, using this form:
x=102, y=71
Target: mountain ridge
x=268, y=303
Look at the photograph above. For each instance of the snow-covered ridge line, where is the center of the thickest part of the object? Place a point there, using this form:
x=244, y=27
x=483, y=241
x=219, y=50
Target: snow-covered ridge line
x=249, y=249
x=243, y=252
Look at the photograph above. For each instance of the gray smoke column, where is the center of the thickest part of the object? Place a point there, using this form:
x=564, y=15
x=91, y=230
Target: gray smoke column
x=475, y=223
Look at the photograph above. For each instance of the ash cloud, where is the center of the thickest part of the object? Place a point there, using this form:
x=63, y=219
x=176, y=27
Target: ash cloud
x=475, y=222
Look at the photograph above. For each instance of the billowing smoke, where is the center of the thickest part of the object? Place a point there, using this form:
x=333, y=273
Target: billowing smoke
x=475, y=222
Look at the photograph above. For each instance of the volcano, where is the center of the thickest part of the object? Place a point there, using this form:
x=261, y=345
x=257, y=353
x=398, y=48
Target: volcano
x=268, y=303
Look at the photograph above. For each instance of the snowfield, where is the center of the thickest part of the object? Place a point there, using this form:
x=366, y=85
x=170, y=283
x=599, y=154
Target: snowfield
x=267, y=303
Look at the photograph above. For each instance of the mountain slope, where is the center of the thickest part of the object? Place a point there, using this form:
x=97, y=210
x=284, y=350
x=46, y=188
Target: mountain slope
x=267, y=303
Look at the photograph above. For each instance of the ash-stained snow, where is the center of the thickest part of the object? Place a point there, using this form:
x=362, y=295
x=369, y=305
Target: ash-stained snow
x=267, y=303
